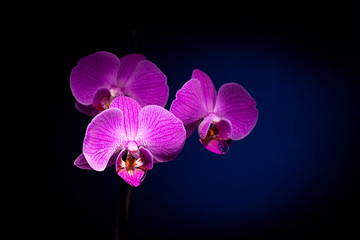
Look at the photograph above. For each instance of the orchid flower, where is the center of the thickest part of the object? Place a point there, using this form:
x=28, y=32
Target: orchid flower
x=133, y=138
x=100, y=77
x=223, y=117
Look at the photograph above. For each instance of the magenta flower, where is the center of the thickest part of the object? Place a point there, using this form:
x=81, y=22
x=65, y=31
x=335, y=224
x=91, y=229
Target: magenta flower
x=100, y=77
x=223, y=117
x=133, y=138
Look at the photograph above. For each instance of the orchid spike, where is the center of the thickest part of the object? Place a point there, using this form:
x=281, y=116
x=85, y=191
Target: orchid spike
x=221, y=117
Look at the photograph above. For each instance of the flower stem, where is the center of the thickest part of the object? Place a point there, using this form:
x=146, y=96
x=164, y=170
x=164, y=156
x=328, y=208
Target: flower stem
x=123, y=211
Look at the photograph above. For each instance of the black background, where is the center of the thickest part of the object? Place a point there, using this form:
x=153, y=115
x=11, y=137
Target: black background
x=295, y=175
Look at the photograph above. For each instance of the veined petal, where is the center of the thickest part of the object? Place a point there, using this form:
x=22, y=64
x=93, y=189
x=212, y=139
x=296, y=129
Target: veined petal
x=130, y=109
x=235, y=104
x=95, y=71
x=207, y=87
x=104, y=136
x=127, y=66
x=189, y=105
x=147, y=85
x=161, y=133
x=82, y=163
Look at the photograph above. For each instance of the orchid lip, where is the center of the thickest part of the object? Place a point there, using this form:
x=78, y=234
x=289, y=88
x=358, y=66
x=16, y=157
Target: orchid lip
x=131, y=169
x=215, y=143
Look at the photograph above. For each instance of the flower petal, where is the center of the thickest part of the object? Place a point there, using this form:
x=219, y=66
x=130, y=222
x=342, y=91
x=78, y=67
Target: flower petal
x=235, y=104
x=86, y=109
x=81, y=162
x=101, y=99
x=127, y=66
x=130, y=109
x=204, y=127
x=217, y=146
x=133, y=177
x=222, y=129
x=146, y=159
x=147, y=85
x=207, y=87
x=95, y=71
x=189, y=105
x=104, y=136
x=161, y=133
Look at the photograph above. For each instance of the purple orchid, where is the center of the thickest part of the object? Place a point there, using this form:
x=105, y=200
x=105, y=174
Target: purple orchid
x=223, y=117
x=133, y=138
x=100, y=77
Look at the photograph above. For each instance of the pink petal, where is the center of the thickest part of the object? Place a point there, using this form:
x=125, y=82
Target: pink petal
x=95, y=71
x=146, y=159
x=101, y=99
x=204, y=127
x=161, y=133
x=147, y=85
x=235, y=104
x=138, y=173
x=130, y=109
x=81, y=163
x=217, y=146
x=223, y=128
x=189, y=105
x=134, y=177
x=104, y=136
x=127, y=66
x=86, y=109
x=207, y=87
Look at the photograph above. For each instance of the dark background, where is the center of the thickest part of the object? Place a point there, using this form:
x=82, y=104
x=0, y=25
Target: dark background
x=295, y=176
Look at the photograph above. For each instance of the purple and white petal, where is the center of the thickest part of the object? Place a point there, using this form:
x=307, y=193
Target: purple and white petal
x=161, y=133
x=93, y=72
x=82, y=163
x=189, y=105
x=130, y=109
x=208, y=88
x=104, y=136
x=147, y=85
x=235, y=104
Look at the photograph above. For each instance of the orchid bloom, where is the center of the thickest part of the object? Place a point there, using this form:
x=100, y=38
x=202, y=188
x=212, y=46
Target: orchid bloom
x=100, y=77
x=223, y=117
x=133, y=138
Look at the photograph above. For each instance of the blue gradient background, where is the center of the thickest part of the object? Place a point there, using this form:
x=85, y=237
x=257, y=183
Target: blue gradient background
x=295, y=175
